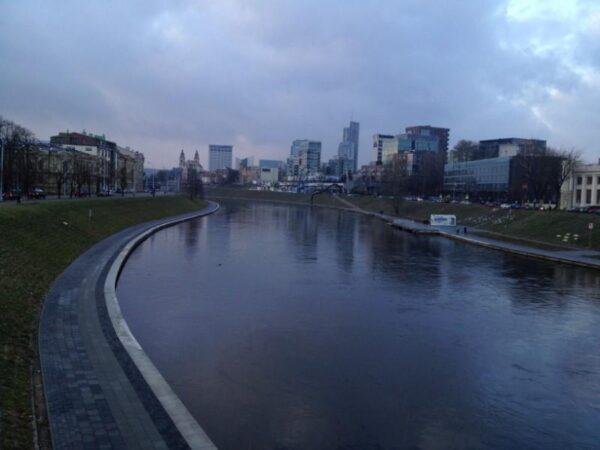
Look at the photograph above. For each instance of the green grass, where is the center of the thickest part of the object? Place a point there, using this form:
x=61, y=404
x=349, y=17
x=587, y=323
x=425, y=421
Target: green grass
x=37, y=242
x=534, y=226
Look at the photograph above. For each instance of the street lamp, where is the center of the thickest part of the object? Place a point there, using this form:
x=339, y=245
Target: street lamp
x=1, y=169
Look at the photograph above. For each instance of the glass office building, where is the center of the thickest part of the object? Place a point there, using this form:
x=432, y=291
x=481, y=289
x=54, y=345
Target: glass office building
x=491, y=176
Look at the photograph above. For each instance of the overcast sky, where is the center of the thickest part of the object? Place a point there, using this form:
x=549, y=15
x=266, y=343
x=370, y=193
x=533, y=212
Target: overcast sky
x=160, y=76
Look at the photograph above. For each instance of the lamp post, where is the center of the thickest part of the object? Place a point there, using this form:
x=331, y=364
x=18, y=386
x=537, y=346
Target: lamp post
x=1, y=169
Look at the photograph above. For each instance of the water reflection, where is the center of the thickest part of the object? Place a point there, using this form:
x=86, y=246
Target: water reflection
x=291, y=327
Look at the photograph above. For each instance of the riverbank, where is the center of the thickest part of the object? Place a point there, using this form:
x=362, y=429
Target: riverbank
x=527, y=233
x=524, y=226
x=38, y=240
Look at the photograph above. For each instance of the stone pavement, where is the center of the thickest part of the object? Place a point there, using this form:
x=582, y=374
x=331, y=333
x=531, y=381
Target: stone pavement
x=578, y=257
x=96, y=395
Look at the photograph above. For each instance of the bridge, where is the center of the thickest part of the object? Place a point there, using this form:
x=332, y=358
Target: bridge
x=331, y=188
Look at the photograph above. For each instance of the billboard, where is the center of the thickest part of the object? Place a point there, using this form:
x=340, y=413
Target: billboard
x=442, y=220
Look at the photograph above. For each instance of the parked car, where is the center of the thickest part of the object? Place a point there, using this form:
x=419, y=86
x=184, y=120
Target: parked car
x=37, y=193
x=505, y=205
x=104, y=193
x=12, y=194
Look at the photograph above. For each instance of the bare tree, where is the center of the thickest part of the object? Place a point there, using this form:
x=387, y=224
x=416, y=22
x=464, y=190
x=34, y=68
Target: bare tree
x=542, y=173
x=464, y=150
x=60, y=168
x=21, y=159
x=570, y=158
x=81, y=172
x=123, y=178
x=194, y=184
x=395, y=180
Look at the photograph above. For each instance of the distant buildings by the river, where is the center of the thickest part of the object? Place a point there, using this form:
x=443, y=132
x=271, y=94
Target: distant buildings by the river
x=417, y=162
x=69, y=164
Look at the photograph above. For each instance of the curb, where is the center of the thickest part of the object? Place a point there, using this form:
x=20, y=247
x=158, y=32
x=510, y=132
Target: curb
x=526, y=253
x=187, y=426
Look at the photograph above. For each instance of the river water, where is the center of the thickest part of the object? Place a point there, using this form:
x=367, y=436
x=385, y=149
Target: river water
x=286, y=327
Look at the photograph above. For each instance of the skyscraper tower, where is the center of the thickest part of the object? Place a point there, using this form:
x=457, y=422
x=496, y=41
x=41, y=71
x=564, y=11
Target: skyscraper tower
x=348, y=148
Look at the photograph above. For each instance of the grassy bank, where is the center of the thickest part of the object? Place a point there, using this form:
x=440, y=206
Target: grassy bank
x=534, y=226
x=37, y=242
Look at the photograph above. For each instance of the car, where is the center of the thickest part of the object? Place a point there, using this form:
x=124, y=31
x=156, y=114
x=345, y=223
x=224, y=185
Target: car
x=37, y=193
x=505, y=205
x=104, y=193
x=12, y=194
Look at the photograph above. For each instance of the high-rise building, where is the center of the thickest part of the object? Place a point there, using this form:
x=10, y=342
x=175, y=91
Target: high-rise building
x=219, y=157
x=442, y=134
x=348, y=148
x=305, y=159
x=405, y=143
x=295, y=146
x=378, y=142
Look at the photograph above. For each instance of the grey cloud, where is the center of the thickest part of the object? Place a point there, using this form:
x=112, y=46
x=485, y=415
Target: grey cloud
x=165, y=75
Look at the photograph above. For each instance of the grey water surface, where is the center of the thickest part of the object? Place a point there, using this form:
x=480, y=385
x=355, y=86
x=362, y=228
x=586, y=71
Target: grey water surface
x=286, y=327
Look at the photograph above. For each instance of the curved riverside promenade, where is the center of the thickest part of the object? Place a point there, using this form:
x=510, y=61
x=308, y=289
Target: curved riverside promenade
x=101, y=389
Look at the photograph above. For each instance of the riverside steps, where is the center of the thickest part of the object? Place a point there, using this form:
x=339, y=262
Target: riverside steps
x=97, y=394
x=414, y=227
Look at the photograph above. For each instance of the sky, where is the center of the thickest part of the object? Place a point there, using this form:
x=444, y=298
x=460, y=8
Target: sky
x=161, y=76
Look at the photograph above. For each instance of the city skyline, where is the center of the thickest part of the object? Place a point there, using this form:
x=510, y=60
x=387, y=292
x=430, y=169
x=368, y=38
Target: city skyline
x=515, y=68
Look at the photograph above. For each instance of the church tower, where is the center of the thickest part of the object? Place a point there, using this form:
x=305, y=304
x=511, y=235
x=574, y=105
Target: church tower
x=197, y=158
x=182, y=160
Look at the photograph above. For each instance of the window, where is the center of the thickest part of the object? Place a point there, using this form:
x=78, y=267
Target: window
x=578, y=196
x=589, y=180
x=588, y=196
x=579, y=180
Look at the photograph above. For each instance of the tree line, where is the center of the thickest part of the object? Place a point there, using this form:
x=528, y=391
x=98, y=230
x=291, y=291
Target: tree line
x=27, y=165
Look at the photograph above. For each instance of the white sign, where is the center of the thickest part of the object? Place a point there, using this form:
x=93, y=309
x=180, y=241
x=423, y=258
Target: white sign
x=442, y=220
x=591, y=226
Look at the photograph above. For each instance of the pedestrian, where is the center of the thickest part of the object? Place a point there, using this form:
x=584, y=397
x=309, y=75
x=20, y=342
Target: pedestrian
x=465, y=230
x=458, y=231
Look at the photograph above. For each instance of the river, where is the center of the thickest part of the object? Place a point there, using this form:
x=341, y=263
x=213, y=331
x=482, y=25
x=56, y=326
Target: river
x=286, y=327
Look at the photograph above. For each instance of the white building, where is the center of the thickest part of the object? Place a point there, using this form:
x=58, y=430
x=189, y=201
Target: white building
x=220, y=157
x=269, y=175
x=582, y=188
x=378, y=142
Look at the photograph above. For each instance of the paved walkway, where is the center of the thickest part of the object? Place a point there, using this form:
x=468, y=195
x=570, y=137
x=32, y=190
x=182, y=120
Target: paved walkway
x=96, y=396
x=579, y=257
